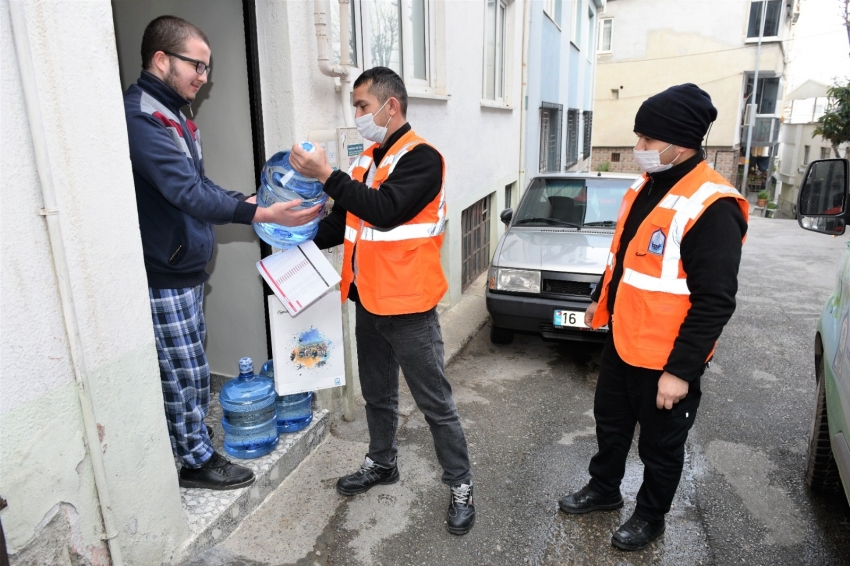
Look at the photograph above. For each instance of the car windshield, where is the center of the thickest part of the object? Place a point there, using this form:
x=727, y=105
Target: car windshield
x=572, y=202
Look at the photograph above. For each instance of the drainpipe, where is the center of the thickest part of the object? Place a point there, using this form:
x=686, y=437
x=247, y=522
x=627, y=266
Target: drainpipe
x=345, y=55
x=523, y=113
x=63, y=276
x=321, y=12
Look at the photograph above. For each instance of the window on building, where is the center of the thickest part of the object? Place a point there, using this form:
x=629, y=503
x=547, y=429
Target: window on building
x=766, y=95
x=575, y=33
x=550, y=137
x=495, y=36
x=475, y=222
x=605, y=36
x=615, y=157
x=615, y=94
x=552, y=8
x=572, y=138
x=399, y=34
x=509, y=195
x=591, y=31
x=588, y=130
x=335, y=35
x=771, y=19
x=824, y=153
x=806, y=150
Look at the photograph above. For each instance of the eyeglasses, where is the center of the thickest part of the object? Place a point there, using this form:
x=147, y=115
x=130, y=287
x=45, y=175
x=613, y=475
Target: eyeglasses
x=200, y=66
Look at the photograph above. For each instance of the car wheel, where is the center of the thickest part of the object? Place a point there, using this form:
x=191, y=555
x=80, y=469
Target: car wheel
x=821, y=471
x=501, y=335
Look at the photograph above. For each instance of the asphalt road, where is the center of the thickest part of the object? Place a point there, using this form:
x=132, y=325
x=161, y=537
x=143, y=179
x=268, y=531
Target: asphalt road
x=527, y=411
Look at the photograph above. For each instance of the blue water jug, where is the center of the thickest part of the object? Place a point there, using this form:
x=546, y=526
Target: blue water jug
x=294, y=412
x=279, y=182
x=250, y=420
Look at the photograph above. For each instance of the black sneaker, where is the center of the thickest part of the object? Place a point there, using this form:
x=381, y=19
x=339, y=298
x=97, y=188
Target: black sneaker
x=370, y=474
x=216, y=473
x=636, y=534
x=460, y=515
x=586, y=500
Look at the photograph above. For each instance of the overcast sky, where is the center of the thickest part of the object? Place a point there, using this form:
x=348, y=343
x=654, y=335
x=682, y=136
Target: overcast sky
x=821, y=50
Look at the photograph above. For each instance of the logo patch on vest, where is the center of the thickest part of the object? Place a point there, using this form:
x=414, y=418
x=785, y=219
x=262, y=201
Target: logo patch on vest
x=656, y=242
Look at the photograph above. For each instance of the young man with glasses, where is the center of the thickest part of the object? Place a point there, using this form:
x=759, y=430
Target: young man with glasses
x=177, y=206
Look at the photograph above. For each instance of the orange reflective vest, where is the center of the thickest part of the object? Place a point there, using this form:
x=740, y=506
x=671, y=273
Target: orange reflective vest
x=397, y=270
x=653, y=297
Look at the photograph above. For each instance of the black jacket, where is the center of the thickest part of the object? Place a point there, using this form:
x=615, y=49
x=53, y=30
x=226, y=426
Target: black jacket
x=711, y=253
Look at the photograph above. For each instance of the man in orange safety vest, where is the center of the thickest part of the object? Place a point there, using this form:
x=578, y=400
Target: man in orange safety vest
x=389, y=213
x=666, y=294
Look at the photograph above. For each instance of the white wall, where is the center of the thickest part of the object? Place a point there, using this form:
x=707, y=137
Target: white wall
x=44, y=464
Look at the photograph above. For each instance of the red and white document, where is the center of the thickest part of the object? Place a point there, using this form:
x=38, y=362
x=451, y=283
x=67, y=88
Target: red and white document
x=298, y=276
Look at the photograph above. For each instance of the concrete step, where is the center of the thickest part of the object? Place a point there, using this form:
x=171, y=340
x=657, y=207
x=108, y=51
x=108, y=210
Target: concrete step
x=213, y=515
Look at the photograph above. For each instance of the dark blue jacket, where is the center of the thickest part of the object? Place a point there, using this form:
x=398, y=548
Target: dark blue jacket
x=177, y=203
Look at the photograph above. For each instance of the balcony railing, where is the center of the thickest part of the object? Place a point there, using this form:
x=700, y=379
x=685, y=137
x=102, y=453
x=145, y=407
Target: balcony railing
x=765, y=132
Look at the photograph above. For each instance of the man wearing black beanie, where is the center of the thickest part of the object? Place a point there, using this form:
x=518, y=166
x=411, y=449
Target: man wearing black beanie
x=671, y=277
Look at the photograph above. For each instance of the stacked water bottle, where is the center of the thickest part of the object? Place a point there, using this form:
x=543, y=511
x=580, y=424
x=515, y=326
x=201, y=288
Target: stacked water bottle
x=254, y=415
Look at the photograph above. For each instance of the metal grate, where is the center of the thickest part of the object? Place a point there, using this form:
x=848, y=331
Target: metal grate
x=475, y=222
x=572, y=138
x=550, y=137
x=560, y=287
x=588, y=129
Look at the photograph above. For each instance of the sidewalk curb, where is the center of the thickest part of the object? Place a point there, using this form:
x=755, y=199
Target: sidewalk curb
x=213, y=515
x=461, y=322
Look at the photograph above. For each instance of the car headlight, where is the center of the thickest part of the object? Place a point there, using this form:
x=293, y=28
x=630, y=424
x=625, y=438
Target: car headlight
x=514, y=280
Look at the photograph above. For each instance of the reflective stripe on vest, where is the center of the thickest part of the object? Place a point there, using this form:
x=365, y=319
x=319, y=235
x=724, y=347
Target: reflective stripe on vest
x=363, y=161
x=649, y=283
x=409, y=231
x=686, y=209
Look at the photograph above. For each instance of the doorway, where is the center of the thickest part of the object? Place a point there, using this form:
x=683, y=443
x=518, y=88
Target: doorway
x=226, y=111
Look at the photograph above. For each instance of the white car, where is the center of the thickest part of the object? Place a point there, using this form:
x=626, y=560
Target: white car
x=552, y=255
x=823, y=207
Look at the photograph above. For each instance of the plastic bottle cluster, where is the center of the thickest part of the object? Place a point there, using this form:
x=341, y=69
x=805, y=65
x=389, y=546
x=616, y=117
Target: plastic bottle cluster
x=279, y=182
x=294, y=412
x=254, y=415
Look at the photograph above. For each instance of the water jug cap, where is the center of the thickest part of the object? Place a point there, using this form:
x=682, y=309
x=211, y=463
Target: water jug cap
x=307, y=146
x=246, y=365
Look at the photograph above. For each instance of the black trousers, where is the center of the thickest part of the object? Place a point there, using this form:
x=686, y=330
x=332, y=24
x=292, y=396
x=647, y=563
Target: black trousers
x=625, y=396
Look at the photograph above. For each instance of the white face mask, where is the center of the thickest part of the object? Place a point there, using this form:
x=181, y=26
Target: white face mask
x=369, y=129
x=650, y=160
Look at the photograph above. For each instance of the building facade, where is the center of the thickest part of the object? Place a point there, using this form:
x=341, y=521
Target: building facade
x=561, y=67
x=798, y=146
x=718, y=46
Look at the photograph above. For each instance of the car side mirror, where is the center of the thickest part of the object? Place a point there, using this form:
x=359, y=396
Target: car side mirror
x=506, y=215
x=822, y=203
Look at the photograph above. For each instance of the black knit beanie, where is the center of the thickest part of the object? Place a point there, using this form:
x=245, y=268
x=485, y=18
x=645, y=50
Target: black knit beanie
x=680, y=115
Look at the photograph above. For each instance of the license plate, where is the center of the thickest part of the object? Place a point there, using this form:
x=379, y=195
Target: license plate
x=569, y=318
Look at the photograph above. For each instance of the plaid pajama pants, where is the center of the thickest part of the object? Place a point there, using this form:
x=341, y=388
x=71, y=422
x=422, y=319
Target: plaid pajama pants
x=179, y=329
